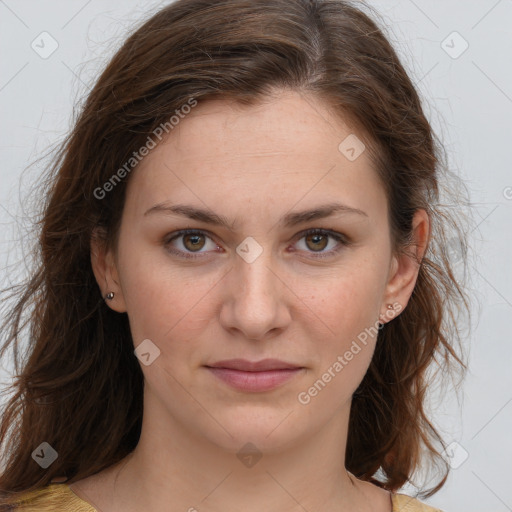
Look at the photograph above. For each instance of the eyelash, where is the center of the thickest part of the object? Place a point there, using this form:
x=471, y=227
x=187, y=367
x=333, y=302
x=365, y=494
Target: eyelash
x=343, y=240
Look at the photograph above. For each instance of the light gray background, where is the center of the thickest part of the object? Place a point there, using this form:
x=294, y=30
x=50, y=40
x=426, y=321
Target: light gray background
x=469, y=102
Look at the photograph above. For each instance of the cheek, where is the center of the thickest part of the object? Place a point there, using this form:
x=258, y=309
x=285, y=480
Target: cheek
x=347, y=300
x=345, y=323
x=344, y=351
x=162, y=300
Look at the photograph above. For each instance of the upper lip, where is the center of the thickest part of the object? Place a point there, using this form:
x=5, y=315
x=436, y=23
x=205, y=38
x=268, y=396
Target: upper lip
x=254, y=366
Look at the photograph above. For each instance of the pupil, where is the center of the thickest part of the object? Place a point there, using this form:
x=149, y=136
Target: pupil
x=194, y=238
x=316, y=237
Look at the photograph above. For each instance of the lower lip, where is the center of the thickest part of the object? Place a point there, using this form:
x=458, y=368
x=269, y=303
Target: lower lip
x=254, y=381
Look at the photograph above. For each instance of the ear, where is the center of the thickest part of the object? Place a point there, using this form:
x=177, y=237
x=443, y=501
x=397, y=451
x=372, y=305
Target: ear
x=405, y=268
x=105, y=270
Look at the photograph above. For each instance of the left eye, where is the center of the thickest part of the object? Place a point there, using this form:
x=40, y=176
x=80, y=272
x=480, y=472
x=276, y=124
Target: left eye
x=315, y=239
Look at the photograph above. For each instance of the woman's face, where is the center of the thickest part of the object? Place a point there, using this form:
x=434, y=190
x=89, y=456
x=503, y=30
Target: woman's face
x=257, y=286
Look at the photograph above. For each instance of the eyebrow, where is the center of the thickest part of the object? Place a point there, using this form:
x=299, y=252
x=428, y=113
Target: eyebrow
x=288, y=220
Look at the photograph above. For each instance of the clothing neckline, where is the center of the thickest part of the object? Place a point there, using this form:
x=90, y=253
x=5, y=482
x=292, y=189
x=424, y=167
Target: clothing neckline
x=77, y=496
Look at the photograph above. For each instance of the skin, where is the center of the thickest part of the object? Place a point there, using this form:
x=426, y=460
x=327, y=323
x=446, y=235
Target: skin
x=252, y=165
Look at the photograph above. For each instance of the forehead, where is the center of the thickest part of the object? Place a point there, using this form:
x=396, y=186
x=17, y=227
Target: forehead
x=287, y=123
x=286, y=147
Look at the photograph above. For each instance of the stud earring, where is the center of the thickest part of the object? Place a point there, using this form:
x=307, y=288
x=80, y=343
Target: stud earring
x=109, y=296
x=390, y=306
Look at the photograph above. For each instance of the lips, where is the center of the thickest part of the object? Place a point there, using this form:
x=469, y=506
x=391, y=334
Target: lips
x=254, y=366
x=254, y=376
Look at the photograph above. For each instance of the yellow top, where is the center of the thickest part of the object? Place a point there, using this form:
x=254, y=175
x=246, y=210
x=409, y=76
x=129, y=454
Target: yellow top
x=60, y=498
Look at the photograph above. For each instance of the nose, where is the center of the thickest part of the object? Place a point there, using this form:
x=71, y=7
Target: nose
x=255, y=302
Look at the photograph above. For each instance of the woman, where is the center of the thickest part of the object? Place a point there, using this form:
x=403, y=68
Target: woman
x=243, y=279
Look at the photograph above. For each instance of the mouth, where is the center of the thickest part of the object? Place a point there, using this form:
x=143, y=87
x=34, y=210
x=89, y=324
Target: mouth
x=255, y=376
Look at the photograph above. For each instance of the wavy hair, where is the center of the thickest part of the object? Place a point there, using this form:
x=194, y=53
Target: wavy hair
x=80, y=386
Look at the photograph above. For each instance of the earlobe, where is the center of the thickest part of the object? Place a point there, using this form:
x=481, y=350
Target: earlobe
x=105, y=272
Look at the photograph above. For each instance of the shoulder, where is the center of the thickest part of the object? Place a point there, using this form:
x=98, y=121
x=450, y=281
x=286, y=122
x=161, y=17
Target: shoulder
x=405, y=503
x=52, y=498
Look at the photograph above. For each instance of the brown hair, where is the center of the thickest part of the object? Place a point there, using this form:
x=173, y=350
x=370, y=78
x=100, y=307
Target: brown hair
x=80, y=388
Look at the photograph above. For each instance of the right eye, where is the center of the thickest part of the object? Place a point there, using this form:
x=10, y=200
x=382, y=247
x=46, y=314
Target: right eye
x=191, y=239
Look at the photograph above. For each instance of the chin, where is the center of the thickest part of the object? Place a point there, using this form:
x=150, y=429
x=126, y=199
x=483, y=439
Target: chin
x=269, y=433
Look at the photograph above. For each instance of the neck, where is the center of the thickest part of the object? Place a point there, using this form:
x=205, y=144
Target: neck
x=176, y=468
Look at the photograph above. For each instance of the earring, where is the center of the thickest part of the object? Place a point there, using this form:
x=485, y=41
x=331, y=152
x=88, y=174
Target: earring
x=390, y=306
x=109, y=296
